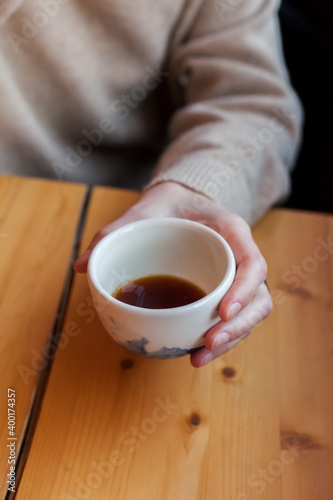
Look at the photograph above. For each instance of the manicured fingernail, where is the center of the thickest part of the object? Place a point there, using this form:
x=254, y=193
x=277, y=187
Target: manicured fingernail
x=233, y=310
x=220, y=339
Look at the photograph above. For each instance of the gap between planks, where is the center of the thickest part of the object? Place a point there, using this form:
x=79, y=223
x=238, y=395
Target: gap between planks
x=51, y=345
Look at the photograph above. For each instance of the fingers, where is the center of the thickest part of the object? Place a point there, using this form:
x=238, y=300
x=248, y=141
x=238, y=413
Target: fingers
x=225, y=335
x=251, y=270
x=204, y=355
x=258, y=309
x=81, y=264
x=247, y=302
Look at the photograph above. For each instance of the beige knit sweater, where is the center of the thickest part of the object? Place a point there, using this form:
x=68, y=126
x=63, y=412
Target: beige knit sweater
x=82, y=82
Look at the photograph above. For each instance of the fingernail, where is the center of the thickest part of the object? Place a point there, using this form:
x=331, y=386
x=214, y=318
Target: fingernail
x=220, y=339
x=233, y=310
x=206, y=359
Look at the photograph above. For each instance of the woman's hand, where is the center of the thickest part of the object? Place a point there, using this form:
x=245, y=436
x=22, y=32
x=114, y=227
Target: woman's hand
x=248, y=301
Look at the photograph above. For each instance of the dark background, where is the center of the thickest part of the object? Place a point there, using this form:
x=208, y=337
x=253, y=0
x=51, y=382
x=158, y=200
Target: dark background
x=307, y=33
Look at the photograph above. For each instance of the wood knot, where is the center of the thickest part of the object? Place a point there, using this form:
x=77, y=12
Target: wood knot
x=228, y=372
x=300, y=442
x=195, y=419
x=127, y=363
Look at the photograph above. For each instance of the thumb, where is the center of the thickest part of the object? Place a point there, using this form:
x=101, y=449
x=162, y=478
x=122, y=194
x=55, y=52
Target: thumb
x=81, y=264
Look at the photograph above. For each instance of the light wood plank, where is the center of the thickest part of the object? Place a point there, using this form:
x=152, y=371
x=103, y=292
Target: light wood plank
x=37, y=226
x=301, y=278
x=162, y=429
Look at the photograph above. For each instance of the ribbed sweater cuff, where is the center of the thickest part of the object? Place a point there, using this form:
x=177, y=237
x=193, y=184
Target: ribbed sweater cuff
x=222, y=181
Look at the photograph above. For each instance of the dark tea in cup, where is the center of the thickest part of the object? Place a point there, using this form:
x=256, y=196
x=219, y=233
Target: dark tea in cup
x=159, y=292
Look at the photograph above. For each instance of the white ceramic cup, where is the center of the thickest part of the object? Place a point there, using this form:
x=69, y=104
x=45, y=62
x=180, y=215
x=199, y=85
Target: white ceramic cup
x=162, y=246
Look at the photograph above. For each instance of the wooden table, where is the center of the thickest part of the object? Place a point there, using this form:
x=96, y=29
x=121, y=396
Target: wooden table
x=94, y=421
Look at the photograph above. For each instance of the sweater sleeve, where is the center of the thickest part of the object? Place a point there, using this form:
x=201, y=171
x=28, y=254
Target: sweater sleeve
x=236, y=130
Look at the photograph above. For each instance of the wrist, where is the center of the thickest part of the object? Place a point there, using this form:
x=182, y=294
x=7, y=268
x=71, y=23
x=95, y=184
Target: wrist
x=175, y=198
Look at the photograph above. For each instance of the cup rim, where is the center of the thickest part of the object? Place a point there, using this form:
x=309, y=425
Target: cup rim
x=226, y=281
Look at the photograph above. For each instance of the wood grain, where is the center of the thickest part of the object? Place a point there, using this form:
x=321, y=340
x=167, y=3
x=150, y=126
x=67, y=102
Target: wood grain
x=252, y=424
x=37, y=224
x=302, y=282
